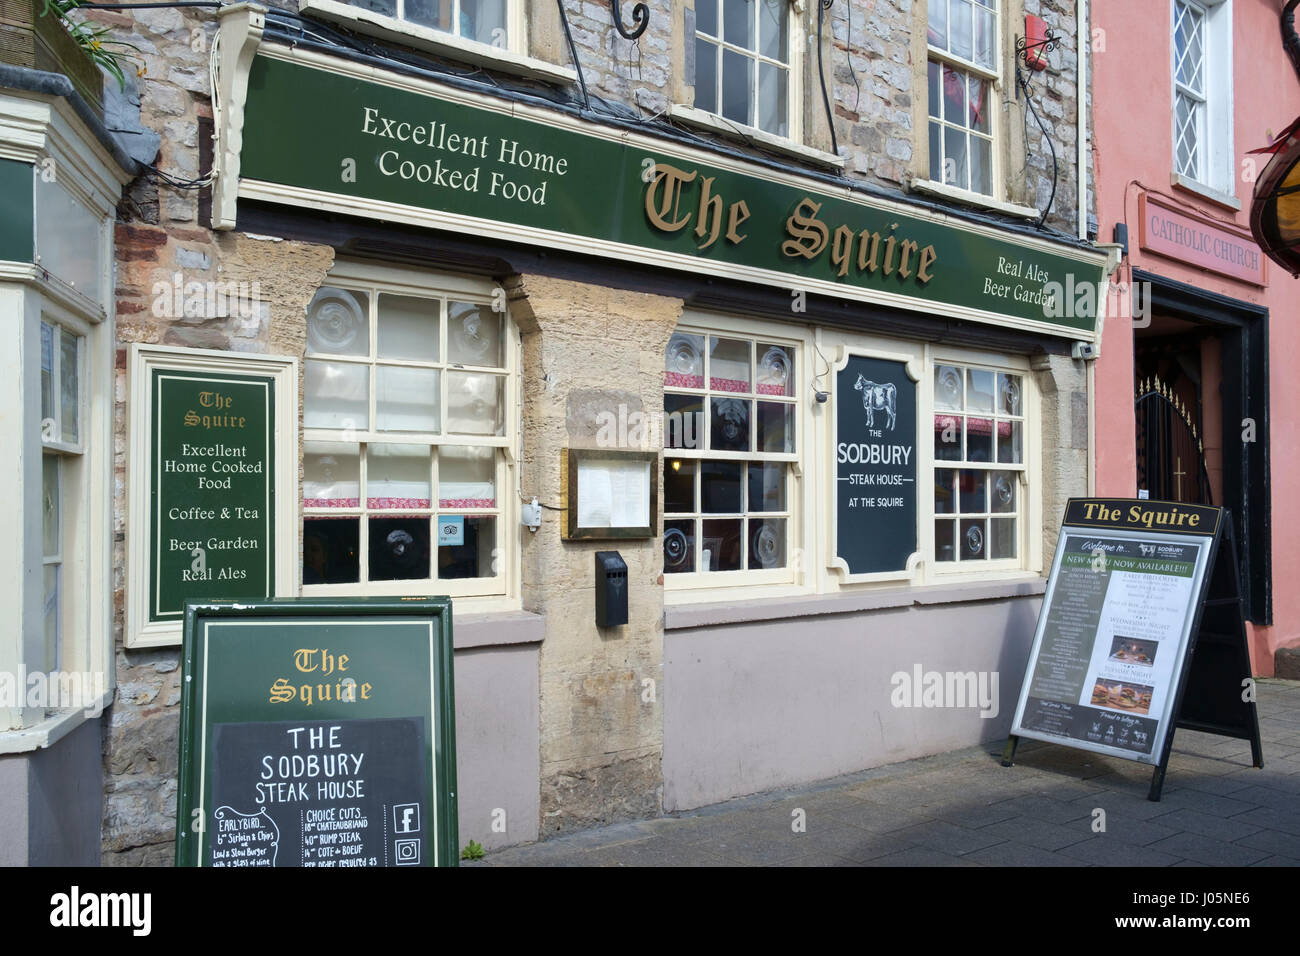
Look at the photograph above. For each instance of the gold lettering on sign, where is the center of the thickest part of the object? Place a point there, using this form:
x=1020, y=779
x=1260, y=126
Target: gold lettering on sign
x=322, y=661
x=810, y=233
x=662, y=197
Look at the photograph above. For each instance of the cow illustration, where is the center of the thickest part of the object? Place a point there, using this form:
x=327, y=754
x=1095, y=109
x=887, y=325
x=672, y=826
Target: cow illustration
x=878, y=398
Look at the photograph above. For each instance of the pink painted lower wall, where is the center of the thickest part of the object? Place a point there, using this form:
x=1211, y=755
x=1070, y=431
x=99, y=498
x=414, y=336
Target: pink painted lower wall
x=1133, y=150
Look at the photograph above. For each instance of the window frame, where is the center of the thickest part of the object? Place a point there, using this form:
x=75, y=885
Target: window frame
x=967, y=68
x=513, y=57
x=500, y=591
x=722, y=585
x=1216, y=173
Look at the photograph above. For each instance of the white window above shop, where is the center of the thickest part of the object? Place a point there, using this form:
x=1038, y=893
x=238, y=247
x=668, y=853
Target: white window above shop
x=742, y=62
x=1202, y=89
x=407, y=469
x=962, y=74
x=492, y=33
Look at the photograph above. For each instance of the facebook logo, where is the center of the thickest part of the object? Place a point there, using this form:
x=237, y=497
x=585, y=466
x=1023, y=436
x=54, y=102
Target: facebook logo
x=406, y=818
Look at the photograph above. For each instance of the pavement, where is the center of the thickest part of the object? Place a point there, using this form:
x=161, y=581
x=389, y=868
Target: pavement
x=964, y=809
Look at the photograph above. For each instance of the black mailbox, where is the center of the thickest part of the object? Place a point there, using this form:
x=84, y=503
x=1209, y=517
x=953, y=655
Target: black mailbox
x=611, y=589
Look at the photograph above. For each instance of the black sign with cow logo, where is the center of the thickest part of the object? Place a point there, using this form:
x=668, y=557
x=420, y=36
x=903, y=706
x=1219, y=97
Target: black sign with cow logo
x=875, y=466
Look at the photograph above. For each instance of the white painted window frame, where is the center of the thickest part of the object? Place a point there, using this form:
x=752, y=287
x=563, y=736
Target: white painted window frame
x=512, y=57
x=1217, y=173
x=502, y=591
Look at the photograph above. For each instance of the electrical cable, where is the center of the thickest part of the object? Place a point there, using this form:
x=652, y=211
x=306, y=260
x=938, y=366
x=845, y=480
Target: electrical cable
x=821, y=75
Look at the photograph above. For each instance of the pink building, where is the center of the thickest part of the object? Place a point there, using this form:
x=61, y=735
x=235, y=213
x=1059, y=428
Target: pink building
x=1194, y=379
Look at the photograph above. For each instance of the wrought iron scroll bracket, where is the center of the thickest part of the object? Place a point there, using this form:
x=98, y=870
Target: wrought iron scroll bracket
x=1025, y=50
x=640, y=20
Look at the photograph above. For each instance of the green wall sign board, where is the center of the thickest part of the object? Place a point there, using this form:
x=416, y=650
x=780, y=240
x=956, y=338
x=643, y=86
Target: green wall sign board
x=324, y=133
x=212, y=494
x=17, y=211
x=1142, y=604
x=318, y=733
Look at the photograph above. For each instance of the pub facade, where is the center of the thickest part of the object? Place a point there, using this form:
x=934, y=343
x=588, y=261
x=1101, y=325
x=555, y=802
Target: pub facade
x=779, y=303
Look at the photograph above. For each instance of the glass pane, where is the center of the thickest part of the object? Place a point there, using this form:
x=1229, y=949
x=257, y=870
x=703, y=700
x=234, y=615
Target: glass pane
x=720, y=541
x=772, y=29
x=706, y=76
x=938, y=32
x=474, y=335
x=947, y=387
x=772, y=81
x=775, y=375
x=386, y=7
x=467, y=477
x=69, y=391
x=484, y=21
x=954, y=95
x=932, y=83
x=408, y=328
x=683, y=421
x=335, y=395
x=330, y=550
x=331, y=474
x=947, y=437
x=985, y=33
x=944, y=549
x=766, y=542
x=1009, y=451
x=475, y=554
x=944, y=482
x=679, y=486
x=766, y=487
x=684, y=361
x=475, y=403
x=1009, y=394
x=959, y=25
x=936, y=154
x=728, y=365
x=50, y=506
x=956, y=171
x=679, y=547
x=399, y=548
x=775, y=427
x=706, y=16
x=47, y=373
x=729, y=429
x=406, y=399
x=979, y=439
x=1004, y=491
x=738, y=22
x=972, y=540
x=979, y=390
x=720, y=491
x=972, y=485
x=977, y=100
x=1003, y=533
x=338, y=322
x=50, y=573
x=737, y=87
x=427, y=13
x=981, y=165
x=398, y=476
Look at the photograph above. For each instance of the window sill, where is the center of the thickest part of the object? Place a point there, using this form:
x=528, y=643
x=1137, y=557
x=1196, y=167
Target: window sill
x=436, y=41
x=48, y=732
x=496, y=630
x=1205, y=192
x=965, y=196
x=747, y=611
x=699, y=118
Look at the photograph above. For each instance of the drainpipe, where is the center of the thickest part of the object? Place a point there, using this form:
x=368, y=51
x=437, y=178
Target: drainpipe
x=1082, y=37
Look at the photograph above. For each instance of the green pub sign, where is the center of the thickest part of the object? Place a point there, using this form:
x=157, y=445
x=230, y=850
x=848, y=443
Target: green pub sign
x=211, y=489
x=318, y=733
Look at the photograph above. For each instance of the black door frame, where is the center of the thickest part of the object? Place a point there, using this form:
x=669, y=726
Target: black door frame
x=1243, y=327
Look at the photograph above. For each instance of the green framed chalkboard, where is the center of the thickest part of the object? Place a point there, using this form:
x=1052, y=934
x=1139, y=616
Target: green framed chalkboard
x=318, y=732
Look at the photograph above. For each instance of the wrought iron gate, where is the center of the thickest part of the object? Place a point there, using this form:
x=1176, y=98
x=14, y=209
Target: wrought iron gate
x=1170, y=453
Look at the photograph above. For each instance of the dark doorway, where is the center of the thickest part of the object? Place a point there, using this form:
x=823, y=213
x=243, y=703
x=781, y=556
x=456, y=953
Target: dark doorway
x=1206, y=358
